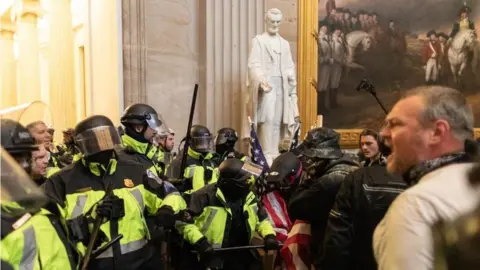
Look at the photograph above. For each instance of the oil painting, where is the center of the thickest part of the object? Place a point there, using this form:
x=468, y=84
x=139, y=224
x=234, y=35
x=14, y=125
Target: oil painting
x=387, y=47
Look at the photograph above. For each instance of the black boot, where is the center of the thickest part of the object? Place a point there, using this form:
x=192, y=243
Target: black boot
x=321, y=108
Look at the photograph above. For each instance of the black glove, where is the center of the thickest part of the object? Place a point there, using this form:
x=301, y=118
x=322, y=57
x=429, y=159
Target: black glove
x=166, y=217
x=79, y=232
x=205, y=250
x=270, y=242
x=111, y=208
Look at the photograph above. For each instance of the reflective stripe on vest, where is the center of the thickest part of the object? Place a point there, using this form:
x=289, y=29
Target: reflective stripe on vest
x=29, y=249
x=209, y=220
x=79, y=205
x=138, y=196
x=125, y=248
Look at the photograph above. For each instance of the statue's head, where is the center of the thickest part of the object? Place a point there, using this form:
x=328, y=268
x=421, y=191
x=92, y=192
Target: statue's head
x=273, y=18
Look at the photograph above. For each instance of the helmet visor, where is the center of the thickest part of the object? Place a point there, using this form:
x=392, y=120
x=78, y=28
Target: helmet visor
x=202, y=144
x=156, y=122
x=19, y=194
x=98, y=139
x=228, y=137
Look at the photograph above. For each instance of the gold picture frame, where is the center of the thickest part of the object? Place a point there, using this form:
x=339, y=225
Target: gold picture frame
x=307, y=73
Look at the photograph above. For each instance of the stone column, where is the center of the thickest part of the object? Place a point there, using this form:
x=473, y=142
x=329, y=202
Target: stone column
x=134, y=52
x=29, y=52
x=61, y=64
x=227, y=27
x=8, y=67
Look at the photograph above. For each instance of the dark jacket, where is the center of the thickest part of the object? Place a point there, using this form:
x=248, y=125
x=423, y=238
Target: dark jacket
x=315, y=196
x=361, y=203
x=456, y=28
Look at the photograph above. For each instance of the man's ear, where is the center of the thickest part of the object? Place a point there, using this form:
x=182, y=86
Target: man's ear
x=440, y=130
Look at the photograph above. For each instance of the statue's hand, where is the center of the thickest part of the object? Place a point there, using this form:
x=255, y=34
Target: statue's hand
x=265, y=86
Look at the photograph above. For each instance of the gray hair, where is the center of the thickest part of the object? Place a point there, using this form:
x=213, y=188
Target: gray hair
x=446, y=104
x=273, y=11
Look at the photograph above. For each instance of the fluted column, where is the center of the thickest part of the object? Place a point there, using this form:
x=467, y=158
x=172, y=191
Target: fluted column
x=134, y=51
x=307, y=62
x=61, y=64
x=8, y=68
x=29, y=54
x=227, y=27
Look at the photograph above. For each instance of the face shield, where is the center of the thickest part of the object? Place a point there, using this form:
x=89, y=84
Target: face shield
x=157, y=123
x=98, y=139
x=32, y=113
x=202, y=144
x=19, y=194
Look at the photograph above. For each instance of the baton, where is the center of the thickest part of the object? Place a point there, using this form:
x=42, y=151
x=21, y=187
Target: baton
x=96, y=228
x=187, y=138
x=106, y=246
x=240, y=248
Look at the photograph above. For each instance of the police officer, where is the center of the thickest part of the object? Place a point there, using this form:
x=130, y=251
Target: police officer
x=142, y=123
x=201, y=161
x=225, y=144
x=27, y=228
x=227, y=214
x=117, y=190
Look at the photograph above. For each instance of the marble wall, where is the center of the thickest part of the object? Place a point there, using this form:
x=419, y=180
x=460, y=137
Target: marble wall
x=160, y=56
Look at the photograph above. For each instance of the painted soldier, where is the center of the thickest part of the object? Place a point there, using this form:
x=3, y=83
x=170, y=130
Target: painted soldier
x=362, y=16
x=347, y=21
x=340, y=20
x=325, y=62
x=330, y=20
x=330, y=5
x=339, y=58
x=464, y=23
x=443, y=63
x=431, y=54
x=355, y=23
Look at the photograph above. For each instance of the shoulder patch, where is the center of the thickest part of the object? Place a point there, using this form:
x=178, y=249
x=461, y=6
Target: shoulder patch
x=128, y=182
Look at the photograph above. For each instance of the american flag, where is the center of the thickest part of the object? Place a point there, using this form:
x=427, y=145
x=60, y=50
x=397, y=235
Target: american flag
x=273, y=202
x=296, y=136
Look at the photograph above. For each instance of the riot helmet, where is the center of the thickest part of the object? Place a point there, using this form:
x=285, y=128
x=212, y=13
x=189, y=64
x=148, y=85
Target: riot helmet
x=19, y=194
x=146, y=116
x=200, y=139
x=234, y=175
x=286, y=170
x=96, y=134
x=225, y=140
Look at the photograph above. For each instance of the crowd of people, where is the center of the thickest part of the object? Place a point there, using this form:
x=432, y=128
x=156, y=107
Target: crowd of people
x=117, y=198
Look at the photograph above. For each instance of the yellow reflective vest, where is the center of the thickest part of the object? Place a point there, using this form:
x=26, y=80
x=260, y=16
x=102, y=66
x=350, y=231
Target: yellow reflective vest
x=37, y=244
x=210, y=213
x=79, y=188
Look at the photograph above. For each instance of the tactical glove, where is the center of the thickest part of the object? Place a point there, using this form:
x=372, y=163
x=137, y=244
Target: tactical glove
x=111, y=208
x=166, y=217
x=270, y=242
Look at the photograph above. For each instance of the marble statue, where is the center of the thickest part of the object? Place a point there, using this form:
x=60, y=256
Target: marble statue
x=271, y=99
